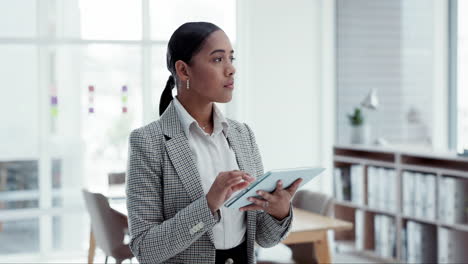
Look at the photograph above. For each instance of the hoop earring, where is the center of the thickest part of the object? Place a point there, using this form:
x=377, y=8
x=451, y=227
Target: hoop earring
x=188, y=84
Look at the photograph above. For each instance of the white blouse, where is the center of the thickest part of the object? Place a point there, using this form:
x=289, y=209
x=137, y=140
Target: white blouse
x=213, y=155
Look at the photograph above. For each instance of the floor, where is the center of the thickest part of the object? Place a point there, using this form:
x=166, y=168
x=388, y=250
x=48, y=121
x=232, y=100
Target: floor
x=277, y=254
x=282, y=254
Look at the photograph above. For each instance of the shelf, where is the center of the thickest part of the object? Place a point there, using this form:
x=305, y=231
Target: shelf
x=380, y=211
x=459, y=227
x=365, y=208
x=365, y=154
x=345, y=245
x=348, y=204
x=349, y=246
x=376, y=257
x=426, y=153
x=421, y=220
x=442, y=165
x=460, y=164
x=362, y=161
x=428, y=169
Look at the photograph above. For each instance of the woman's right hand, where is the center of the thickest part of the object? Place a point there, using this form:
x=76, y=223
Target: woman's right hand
x=225, y=184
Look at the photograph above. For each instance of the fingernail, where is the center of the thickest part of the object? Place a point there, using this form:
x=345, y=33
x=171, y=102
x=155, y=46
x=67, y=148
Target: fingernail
x=260, y=192
x=280, y=182
x=250, y=199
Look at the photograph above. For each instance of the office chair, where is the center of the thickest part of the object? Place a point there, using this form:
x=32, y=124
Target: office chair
x=109, y=227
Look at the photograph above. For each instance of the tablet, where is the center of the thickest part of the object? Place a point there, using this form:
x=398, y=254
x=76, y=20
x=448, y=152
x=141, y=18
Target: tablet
x=267, y=182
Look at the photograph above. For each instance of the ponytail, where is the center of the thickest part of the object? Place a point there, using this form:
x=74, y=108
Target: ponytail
x=166, y=96
x=184, y=43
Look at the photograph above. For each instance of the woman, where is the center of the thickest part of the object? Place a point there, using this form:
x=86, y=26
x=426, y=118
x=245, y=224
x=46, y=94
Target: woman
x=184, y=166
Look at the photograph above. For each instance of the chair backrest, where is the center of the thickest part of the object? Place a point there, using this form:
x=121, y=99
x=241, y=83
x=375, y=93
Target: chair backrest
x=315, y=202
x=108, y=232
x=116, y=178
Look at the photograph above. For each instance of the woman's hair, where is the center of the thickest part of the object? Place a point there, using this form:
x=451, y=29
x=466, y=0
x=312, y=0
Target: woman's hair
x=184, y=43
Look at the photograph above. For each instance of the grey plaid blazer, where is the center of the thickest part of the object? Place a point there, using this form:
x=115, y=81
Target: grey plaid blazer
x=169, y=218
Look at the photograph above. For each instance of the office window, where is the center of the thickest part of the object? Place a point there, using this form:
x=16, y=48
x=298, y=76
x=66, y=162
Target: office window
x=19, y=167
x=19, y=236
x=77, y=77
x=19, y=72
x=114, y=72
x=111, y=19
x=18, y=19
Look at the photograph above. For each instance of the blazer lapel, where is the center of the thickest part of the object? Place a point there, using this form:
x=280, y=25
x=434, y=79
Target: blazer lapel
x=233, y=139
x=181, y=155
x=184, y=164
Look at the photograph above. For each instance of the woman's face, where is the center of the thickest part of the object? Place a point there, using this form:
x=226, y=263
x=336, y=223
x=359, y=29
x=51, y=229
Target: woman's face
x=211, y=71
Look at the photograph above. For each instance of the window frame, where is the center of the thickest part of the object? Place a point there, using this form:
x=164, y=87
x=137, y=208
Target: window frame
x=453, y=75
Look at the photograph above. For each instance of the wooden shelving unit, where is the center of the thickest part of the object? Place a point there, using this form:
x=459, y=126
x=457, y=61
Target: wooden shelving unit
x=447, y=165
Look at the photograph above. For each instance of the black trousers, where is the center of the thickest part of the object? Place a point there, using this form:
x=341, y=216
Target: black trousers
x=237, y=255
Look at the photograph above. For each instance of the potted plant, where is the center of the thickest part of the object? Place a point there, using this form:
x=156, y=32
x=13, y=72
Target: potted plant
x=359, y=131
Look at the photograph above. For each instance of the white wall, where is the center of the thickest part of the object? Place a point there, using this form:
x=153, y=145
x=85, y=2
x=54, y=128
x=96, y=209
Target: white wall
x=279, y=82
x=400, y=49
x=369, y=57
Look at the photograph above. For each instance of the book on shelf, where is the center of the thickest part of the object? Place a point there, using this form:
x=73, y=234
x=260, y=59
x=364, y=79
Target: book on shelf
x=381, y=188
x=451, y=246
x=407, y=193
x=338, y=186
x=359, y=229
x=384, y=236
x=404, y=245
x=421, y=190
x=444, y=246
x=342, y=185
x=357, y=184
x=372, y=194
x=430, y=208
x=419, y=194
x=421, y=243
x=392, y=184
x=453, y=194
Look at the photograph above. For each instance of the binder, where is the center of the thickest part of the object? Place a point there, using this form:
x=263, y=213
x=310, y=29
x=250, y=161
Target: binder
x=337, y=174
x=406, y=193
x=371, y=187
x=357, y=184
x=431, y=199
x=392, y=188
x=382, y=189
x=359, y=229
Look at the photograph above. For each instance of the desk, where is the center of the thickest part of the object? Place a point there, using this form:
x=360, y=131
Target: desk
x=307, y=227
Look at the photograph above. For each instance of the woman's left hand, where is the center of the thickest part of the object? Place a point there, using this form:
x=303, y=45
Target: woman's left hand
x=277, y=203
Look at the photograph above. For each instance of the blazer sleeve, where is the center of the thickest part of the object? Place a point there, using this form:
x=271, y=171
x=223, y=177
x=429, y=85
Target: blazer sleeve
x=270, y=231
x=154, y=239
